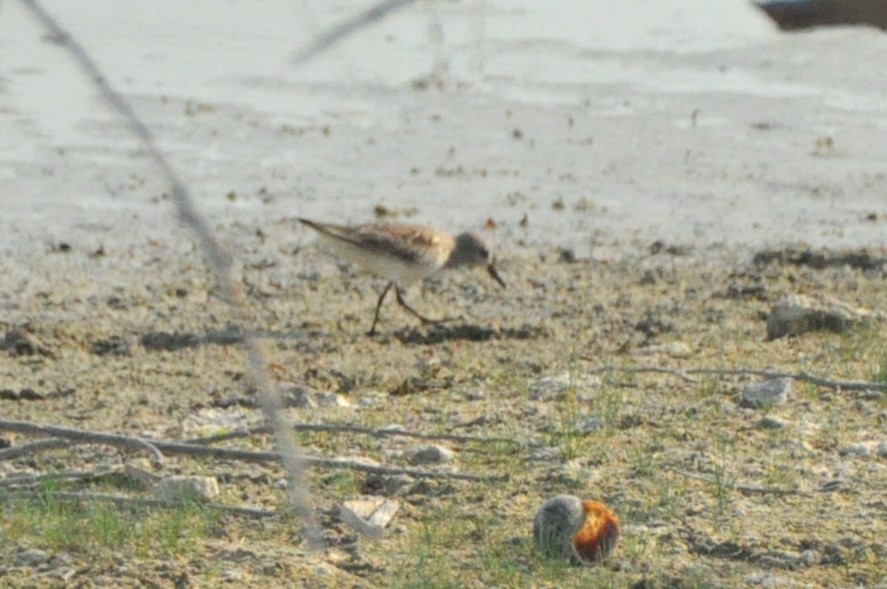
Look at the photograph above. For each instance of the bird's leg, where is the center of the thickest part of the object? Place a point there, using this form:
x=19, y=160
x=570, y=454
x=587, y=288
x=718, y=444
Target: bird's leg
x=415, y=313
x=372, y=330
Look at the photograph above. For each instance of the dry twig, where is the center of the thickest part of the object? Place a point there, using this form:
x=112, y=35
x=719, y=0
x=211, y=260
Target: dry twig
x=347, y=428
x=745, y=489
x=36, y=480
x=83, y=437
x=124, y=501
x=33, y=448
x=847, y=385
x=197, y=450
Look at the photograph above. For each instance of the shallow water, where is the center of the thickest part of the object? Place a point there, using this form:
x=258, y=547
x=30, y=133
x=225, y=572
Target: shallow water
x=692, y=121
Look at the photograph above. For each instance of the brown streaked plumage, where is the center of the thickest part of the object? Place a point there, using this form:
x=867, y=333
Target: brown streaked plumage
x=404, y=254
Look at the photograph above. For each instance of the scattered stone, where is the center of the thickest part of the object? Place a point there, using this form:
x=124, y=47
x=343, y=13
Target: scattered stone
x=19, y=342
x=549, y=388
x=772, y=422
x=28, y=394
x=566, y=255
x=738, y=291
x=387, y=485
x=577, y=472
x=186, y=488
x=21, y=395
x=652, y=325
x=769, y=392
x=161, y=341
x=370, y=515
x=673, y=349
x=393, y=427
x=332, y=400
x=302, y=396
x=282, y=484
x=591, y=424
x=410, y=386
x=798, y=314
x=430, y=454
x=33, y=557
x=138, y=470
x=64, y=573
x=373, y=400
x=648, y=278
x=550, y=454
x=861, y=259
x=881, y=449
x=862, y=449
x=112, y=346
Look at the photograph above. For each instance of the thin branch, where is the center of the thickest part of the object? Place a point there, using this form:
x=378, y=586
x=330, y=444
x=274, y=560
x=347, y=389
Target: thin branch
x=33, y=448
x=124, y=501
x=340, y=32
x=36, y=480
x=413, y=472
x=347, y=428
x=84, y=437
x=745, y=489
x=847, y=385
x=196, y=450
x=221, y=263
x=633, y=369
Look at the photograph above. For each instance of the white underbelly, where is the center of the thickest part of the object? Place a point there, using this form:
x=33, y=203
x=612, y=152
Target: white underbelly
x=391, y=268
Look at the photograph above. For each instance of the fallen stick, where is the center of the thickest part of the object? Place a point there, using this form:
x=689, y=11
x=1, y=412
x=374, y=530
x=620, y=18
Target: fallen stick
x=33, y=448
x=745, y=489
x=35, y=480
x=847, y=385
x=346, y=428
x=196, y=450
x=124, y=501
x=85, y=437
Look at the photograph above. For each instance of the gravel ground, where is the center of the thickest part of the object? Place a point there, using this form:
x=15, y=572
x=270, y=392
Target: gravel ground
x=709, y=492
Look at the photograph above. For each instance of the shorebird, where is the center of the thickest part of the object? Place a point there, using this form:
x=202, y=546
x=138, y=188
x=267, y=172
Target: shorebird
x=403, y=254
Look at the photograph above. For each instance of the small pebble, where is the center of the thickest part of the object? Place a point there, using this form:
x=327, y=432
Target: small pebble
x=430, y=454
x=185, y=487
x=770, y=392
x=33, y=557
x=591, y=424
x=772, y=422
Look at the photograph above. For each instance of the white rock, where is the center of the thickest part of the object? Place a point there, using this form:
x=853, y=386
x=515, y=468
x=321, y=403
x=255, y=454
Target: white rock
x=33, y=557
x=770, y=392
x=370, y=515
x=186, y=487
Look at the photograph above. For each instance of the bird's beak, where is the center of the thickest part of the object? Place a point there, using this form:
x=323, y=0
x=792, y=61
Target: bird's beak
x=491, y=268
